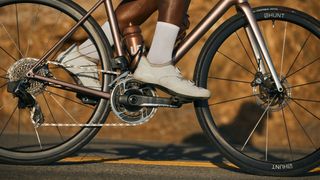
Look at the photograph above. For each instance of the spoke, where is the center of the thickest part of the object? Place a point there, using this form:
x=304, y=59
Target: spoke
x=6, y=124
x=306, y=100
x=267, y=135
x=87, y=47
x=305, y=109
x=10, y=37
x=304, y=130
x=7, y=53
x=246, y=52
x=89, y=53
x=287, y=133
x=18, y=28
x=33, y=22
x=19, y=121
x=4, y=77
x=232, y=80
x=54, y=119
x=54, y=30
x=227, y=57
x=69, y=99
x=60, y=105
x=3, y=69
x=317, y=59
x=255, y=127
x=283, y=47
x=38, y=137
x=305, y=84
x=296, y=58
x=81, y=55
x=3, y=85
x=230, y=100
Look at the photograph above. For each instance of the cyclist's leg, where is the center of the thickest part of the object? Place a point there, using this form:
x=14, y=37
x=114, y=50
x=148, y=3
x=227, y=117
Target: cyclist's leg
x=128, y=12
x=157, y=68
x=134, y=12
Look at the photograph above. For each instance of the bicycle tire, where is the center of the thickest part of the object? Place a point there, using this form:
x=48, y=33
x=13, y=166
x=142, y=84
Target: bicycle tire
x=223, y=135
x=67, y=143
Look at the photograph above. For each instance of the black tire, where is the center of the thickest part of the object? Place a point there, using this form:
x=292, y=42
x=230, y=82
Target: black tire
x=18, y=142
x=244, y=128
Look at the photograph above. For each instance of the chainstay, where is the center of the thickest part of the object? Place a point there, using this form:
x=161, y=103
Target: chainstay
x=86, y=125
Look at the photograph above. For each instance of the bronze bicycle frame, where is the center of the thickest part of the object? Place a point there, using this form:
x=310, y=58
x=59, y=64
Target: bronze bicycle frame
x=194, y=36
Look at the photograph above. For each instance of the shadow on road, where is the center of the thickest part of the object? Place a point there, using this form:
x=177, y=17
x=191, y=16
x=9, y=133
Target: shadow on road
x=113, y=151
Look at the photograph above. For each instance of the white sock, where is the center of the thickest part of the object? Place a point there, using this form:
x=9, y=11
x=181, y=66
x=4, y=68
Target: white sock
x=88, y=49
x=163, y=43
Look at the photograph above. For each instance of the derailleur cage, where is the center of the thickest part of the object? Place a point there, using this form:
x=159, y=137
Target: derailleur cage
x=18, y=89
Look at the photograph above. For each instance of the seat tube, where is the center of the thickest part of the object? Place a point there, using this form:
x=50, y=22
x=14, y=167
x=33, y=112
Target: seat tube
x=246, y=9
x=114, y=28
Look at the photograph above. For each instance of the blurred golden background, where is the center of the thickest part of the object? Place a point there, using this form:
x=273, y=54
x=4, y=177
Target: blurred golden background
x=175, y=125
x=181, y=125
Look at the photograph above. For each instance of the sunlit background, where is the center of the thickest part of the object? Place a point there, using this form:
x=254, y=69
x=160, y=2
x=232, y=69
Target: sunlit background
x=179, y=125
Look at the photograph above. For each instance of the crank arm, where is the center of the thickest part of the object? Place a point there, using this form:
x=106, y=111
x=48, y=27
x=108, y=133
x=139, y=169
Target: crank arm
x=146, y=101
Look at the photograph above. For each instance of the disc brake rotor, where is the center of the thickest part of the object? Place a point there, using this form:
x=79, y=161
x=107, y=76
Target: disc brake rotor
x=268, y=95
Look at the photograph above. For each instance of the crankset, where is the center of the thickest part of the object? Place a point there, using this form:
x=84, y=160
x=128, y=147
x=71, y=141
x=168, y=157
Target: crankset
x=147, y=101
x=133, y=101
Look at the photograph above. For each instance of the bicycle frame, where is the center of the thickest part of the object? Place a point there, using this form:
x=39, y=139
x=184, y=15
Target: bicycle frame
x=253, y=32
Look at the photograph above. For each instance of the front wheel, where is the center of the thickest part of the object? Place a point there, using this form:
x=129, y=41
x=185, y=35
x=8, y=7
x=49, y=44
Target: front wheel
x=255, y=127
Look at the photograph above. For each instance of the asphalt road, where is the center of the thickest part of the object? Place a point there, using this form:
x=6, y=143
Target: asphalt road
x=138, y=160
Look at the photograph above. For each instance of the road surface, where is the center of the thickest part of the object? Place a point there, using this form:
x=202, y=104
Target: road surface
x=104, y=159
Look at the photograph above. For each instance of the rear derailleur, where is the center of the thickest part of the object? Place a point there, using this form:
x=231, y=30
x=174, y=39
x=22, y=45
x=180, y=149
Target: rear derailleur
x=26, y=100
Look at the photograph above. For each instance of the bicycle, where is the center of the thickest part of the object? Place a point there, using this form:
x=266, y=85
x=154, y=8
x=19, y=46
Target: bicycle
x=262, y=82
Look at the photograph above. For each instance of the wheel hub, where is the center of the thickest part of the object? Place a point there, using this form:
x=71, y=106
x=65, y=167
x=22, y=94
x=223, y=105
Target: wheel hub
x=267, y=93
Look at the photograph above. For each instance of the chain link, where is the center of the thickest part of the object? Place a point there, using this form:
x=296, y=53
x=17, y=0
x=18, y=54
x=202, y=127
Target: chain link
x=88, y=124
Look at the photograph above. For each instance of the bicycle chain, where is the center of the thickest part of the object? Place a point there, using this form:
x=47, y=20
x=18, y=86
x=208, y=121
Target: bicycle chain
x=86, y=124
x=90, y=125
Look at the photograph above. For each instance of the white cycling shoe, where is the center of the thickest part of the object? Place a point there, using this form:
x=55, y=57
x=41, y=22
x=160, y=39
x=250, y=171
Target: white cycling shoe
x=81, y=66
x=169, y=77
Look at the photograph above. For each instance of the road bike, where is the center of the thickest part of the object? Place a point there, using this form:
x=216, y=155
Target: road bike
x=261, y=66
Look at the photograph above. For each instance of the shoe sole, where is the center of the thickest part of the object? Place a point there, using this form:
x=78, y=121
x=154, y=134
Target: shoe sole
x=173, y=93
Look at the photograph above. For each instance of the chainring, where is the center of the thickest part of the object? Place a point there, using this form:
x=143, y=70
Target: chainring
x=132, y=114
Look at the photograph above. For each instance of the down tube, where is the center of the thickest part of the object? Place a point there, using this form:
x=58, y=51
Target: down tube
x=205, y=24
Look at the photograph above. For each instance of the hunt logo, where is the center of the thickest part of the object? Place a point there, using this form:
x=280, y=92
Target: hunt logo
x=282, y=166
x=274, y=15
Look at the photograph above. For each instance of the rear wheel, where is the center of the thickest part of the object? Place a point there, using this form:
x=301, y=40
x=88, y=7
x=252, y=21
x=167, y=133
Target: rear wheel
x=255, y=127
x=28, y=29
